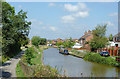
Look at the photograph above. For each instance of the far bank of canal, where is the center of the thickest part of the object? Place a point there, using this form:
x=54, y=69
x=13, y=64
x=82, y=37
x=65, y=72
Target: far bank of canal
x=74, y=66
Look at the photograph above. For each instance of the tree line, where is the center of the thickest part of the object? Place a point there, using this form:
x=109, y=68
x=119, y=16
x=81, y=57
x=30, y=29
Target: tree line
x=36, y=40
x=67, y=43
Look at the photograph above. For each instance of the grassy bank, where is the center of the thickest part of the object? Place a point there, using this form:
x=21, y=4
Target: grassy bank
x=35, y=68
x=19, y=71
x=76, y=53
x=95, y=57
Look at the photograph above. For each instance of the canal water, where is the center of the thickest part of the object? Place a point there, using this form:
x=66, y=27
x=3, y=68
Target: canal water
x=77, y=67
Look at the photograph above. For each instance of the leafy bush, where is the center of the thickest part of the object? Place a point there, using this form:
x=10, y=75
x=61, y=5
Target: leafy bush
x=29, y=54
x=35, y=40
x=4, y=58
x=46, y=71
x=95, y=57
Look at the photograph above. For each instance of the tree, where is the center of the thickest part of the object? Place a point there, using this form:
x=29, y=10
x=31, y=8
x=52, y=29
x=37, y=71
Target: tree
x=68, y=43
x=35, y=40
x=15, y=28
x=99, y=40
x=50, y=42
x=111, y=37
x=43, y=41
x=0, y=40
x=25, y=41
x=59, y=43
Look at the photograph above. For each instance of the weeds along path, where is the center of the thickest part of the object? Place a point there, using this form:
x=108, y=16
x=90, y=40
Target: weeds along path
x=8, y=69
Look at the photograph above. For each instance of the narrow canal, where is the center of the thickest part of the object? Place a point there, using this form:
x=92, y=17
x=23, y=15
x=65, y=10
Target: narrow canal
x=73, y=66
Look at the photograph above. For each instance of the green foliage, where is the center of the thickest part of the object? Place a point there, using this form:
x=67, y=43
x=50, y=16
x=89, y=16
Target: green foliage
x=95, y=57
x=68, y=43
x=15, y=28
x=110, y=37
x=43, y=41
x=50, y=42
x=0, y=40
x=19, y=71
x=100, y=30
x=86, y=42
x=35, y=40
x=77, y=53
x=25, y=41
x=36, y=58
x=46, y=71
x=29, y=55
x=39, y=69
x=99, y=40
x=59, y=43
x=4, y=58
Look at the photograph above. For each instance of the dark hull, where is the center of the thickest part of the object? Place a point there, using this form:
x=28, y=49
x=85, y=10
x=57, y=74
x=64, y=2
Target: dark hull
x=64, y=53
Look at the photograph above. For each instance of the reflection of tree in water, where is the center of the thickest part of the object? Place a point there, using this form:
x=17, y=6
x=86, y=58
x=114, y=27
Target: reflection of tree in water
x=98, y=70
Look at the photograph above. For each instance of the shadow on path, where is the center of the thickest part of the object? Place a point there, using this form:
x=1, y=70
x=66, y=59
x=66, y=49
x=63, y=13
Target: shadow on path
x=5, y=64
x=6, y=74
x=8, y=69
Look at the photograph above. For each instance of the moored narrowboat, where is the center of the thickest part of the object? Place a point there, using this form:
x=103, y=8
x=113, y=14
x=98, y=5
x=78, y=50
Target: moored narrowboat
x=63, y=51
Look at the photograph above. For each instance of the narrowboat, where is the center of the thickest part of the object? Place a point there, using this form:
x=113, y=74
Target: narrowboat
x=63, y=51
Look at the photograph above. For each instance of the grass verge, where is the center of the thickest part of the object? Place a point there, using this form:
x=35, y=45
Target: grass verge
x=76, y=53
x=36, y=68
x=19, y=71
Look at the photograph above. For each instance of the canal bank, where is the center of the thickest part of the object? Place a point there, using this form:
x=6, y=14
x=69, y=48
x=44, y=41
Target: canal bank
x=73, y=66
x=36, y=67
x=94, y=57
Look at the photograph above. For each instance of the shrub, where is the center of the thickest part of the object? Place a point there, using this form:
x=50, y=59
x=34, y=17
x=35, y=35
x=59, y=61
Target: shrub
x=95, y=57
x=4, y=58
x=46, y=71
x=29, y=54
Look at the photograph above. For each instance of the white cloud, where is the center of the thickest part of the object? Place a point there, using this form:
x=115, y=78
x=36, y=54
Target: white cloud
x=113, y=14
x=70, y=7
x=53, y=28
x=51, y=5
x=74, y=8
x=68, y=19
x=82, y=6
x=81, y=14
x=109, y=23
x=62, y=0
x=79, y=10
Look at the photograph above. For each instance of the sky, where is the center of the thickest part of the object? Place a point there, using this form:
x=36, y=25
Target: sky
x=54, y=20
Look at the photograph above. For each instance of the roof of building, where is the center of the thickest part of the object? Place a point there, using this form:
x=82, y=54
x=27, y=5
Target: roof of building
x=85, y=36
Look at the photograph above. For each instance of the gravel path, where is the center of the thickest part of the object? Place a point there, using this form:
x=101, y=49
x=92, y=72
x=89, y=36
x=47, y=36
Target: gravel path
x=8, y=69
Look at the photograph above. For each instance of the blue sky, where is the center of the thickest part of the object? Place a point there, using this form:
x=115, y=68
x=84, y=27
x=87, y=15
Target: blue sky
x=68, y=19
